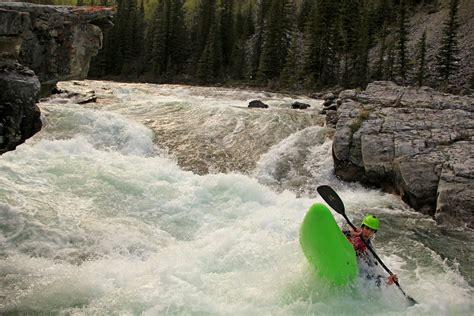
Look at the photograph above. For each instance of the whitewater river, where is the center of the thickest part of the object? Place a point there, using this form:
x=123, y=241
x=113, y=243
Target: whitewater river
x=167, y=199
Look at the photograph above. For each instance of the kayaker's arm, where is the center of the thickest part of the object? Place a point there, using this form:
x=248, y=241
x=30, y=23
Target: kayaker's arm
x=391, y=279
x=349, y=232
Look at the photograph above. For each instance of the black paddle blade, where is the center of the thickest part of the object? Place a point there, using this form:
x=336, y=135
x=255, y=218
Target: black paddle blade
x=411, y=301
x=331, y=198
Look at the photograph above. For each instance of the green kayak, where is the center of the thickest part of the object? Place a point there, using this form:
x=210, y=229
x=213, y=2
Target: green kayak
x=326, y=247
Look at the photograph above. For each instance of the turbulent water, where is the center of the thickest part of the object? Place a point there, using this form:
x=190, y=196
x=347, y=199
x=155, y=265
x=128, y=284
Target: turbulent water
x=180, y=200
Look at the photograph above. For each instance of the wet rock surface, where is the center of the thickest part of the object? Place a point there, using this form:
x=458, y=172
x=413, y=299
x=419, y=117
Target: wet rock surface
x=20, y=117
x=257, y=104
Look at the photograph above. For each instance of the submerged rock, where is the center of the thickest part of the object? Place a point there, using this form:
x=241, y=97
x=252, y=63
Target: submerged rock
x=257, y=104
x=416, y=141
x=300, y=105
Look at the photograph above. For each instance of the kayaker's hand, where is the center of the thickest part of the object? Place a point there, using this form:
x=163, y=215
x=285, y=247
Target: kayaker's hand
x=356, y=232
x=392, y=279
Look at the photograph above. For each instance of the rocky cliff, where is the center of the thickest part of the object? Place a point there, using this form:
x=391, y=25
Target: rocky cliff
x=39, y=46
x=415, y=141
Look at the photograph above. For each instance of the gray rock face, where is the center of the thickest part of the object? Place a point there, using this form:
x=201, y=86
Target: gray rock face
x=41, y=44
x=20, y=117
x=415, y=141
x=12, y=24
x=57, y=42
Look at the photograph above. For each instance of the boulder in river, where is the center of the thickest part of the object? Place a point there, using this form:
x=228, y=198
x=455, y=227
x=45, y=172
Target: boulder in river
x=300, y=105
x=257, y=104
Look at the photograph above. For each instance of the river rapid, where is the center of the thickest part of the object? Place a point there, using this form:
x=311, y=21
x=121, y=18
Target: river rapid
x=179, y=200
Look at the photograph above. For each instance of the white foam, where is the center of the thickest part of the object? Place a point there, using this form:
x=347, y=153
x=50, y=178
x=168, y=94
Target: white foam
x=105, y=130
x=301, y=160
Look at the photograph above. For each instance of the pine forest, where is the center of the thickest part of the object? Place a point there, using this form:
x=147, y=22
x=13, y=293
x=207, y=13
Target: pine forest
x=276, y=44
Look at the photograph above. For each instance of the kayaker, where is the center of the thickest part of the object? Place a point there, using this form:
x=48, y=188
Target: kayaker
x=368, y=266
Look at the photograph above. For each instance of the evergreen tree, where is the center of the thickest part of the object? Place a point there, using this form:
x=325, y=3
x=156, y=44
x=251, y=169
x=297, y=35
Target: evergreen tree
x=203, y=19
x=276, y=39
x=129, y=26
x=290, y=73
x=379, y=68
x=227, y=30
x=362, y=49
x=257, y=40
x=101, y=63
x=122, y=47
x=311, y=37
x=322, y=43
x=138, y=41
x=114, y=40
x=420, y=76
x=166, y=51
x=244, y=29
x=179, y=52
x=381, y=15
x=389, y=68
x=305, y=14
x=350, y=19
x=326, y=42
x=402, y=41
x=159, y=42
x=210, y=64
x=151, y=29
x=447, y=60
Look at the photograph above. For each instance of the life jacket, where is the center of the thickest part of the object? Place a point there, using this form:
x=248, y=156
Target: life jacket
x=357, y=242
x=369, y=268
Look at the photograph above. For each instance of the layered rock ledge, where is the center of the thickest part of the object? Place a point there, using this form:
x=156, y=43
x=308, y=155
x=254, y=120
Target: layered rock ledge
x=39, y=46
x=417, y=142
